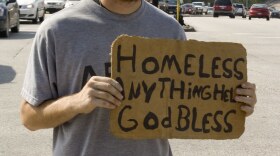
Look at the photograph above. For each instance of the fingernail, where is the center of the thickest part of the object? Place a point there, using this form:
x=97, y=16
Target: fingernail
x=120, y=97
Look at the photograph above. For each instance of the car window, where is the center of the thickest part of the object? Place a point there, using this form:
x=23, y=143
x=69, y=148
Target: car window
x=26, y=1
x=2, y=1
x=172, y=2
x=238, y=5
x=198, y=4
x=188, y=5
x=223, y=2
x=259, y=6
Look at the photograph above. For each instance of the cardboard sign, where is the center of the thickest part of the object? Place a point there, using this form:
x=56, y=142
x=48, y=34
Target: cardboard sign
x=177, y=89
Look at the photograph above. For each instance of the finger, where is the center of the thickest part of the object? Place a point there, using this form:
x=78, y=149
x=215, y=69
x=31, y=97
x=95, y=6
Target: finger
x=245, y=92
x=105, y=96
x=103, y=104
x=106, y=87
x=247, y=109
x=110, y=81
x=247, y=100
x=248, y=85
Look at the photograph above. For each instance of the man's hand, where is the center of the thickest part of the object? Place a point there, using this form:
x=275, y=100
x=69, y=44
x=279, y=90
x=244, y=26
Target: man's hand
x=247, y=95
x=99, y=92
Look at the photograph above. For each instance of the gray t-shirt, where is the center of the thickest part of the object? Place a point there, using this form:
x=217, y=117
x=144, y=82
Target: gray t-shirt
x=73, y=45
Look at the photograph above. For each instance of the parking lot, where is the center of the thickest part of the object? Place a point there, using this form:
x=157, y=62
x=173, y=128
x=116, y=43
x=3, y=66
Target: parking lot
x=261, y=38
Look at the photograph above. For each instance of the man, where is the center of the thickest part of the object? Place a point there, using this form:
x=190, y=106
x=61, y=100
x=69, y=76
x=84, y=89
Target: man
x=67, y=86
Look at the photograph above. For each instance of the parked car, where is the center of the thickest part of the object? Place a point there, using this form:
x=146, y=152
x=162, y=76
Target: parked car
x=259, y=11
x=162, y=4
x=9, y=17
x=275, y=14
x=210, y=10
x=54, y=5
x=223, y=8
x=271, y=9
x=169, y=6
x=200, y=7
x=172, y=6
x=188, y=8
x=32, y=10
x=240, y=10
x=69, y=3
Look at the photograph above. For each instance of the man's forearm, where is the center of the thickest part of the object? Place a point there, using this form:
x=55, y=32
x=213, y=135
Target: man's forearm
x=49, y=114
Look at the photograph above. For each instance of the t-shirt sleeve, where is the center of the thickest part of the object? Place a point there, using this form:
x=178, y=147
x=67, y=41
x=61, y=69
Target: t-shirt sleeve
x=40, y=78
x=177, y=30
x=181, y=33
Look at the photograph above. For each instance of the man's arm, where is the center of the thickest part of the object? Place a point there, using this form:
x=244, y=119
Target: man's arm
x=49, y=114
x=98, y=92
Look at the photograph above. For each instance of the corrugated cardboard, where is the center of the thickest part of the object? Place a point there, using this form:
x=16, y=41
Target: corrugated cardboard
x=177, y=89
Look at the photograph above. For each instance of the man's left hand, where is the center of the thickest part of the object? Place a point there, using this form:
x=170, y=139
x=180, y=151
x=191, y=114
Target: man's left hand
x=247, y=95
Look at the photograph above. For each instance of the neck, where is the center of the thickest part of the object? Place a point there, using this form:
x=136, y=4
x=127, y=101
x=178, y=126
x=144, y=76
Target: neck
x=121, y=6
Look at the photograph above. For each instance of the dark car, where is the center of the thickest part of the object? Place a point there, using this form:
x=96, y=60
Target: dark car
x=188, y=8
x=223, y=8
x=172, y=6
x=168, y=6
x=275, y=13
x=162, y=4
x=259, y=11
x=9, y=17
x=240, y=10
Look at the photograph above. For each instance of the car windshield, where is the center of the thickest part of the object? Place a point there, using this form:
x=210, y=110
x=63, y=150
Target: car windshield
x=223, y=2
x=188, y=5
x=2, y=1
x=25, y=1
x=238, y=5
x=172, y=2
x=198, y=4
x=259, y=6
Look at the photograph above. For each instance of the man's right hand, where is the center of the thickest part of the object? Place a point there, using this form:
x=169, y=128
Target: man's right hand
x=99, y=92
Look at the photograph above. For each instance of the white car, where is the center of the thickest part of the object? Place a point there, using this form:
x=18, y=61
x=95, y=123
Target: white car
x=210, y=10
x=54, y=5
x=200, y=7
x=69, y=3
x=32, y=10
